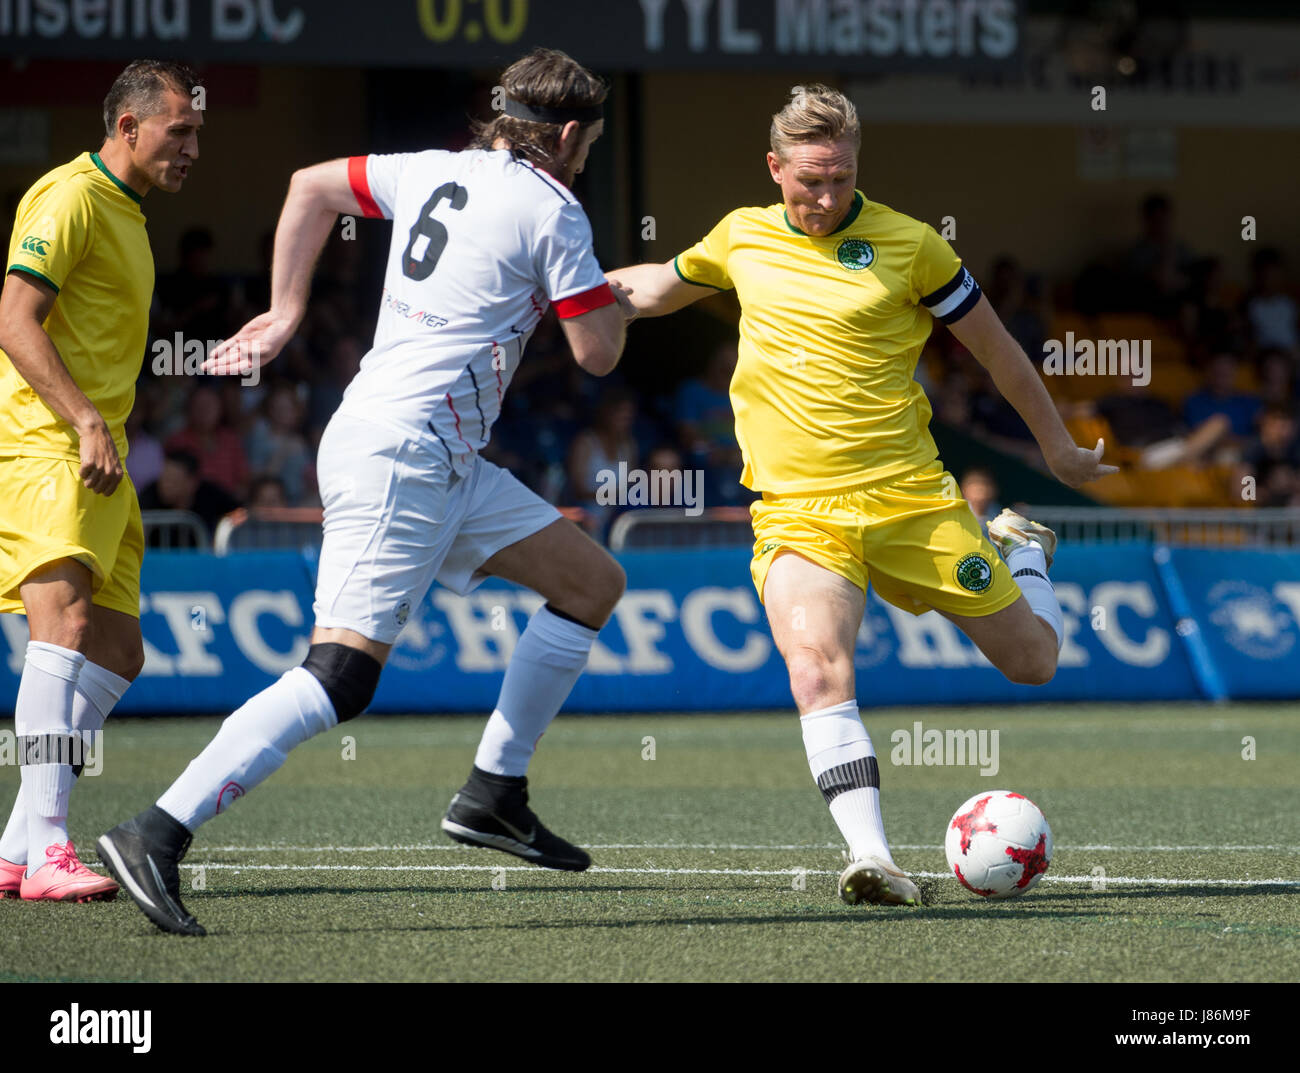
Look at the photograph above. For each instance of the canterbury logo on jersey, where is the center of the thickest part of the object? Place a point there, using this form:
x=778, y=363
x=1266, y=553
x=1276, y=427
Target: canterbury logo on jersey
x=38, y=246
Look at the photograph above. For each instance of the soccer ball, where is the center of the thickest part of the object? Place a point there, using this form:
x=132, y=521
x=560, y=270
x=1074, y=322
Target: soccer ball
x=998, y=844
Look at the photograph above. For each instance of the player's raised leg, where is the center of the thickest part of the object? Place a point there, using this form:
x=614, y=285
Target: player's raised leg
x=581, y=583
x=814, y=615
x=1023, y=640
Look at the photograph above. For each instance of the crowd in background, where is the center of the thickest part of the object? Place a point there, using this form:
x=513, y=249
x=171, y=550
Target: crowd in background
x=1216, y=422
x=209, y=444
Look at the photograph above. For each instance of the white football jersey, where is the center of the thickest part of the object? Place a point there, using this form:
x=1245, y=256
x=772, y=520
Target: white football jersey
x=482, y=244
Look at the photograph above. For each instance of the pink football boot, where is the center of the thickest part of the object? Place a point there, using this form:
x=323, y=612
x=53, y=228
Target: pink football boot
x=11, y=878
x=63, y=878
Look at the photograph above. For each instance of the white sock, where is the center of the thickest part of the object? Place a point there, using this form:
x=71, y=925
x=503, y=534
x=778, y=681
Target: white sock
x=844, y=764
x=13, y=843
x=98, y=690
x=546, y=662
x=250, y=746
x=43, y=716
x=1028, y=565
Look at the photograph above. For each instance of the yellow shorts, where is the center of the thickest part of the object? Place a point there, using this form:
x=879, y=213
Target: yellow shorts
x=46, y=513
x=913, y=538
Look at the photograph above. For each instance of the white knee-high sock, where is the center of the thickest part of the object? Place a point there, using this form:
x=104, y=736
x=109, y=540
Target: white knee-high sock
x=13, y=842
x=546, y=662
x=1028, y=565
x=98, y=690
x=843, y=762
x=43, y=722
x=250, y=746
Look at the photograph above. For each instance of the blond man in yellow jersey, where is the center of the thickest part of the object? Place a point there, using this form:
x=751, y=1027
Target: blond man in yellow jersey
x=838, y=295
x=74, y=316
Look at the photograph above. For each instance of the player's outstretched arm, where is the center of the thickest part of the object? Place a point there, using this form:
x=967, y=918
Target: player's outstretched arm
x=317, y=195
x=656, y=289
x=596, y=338
x=982, y=332
x=25, y=303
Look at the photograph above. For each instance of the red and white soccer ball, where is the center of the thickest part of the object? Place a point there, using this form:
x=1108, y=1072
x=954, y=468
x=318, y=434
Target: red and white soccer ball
x=998, y=844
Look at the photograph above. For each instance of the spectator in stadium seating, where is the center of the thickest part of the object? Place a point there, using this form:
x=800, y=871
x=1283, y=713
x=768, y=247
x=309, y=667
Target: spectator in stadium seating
x=1277, y=379
x=240, y=403
x=596, y=453
x=1273, y=459
x=254, y=291
x=980, y=490
x=216, y=445
x=1148, y=424
x=1158, y=264
x=1270, y=310
x=707, y=427
x=996, y=422
x=952, y=399
x=1017, y=299
x=543, y=410
x=192, y=300
x=1220, y=396
x=549, y=387
x=267, y=492
x=667, y=471
x=334, y=308
x=326, y=391
x=1209, y=306
x=181, y=487
x=144, y=460
x=276, y=445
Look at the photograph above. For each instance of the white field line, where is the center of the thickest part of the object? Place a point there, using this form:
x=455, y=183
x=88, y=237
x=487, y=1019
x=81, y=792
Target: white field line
x=792, y=872
x=807, y=847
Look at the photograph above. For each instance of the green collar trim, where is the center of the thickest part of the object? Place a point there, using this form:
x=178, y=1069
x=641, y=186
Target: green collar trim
x=116, y=181
x=858, y=202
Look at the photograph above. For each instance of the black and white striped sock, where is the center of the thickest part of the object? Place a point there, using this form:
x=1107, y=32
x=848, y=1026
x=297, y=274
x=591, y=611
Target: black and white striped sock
x=844, y=764
x=1029, y=571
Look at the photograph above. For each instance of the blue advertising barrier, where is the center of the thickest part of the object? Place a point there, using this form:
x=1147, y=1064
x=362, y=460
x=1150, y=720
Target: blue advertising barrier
x=1249, y=616
x=690, y=634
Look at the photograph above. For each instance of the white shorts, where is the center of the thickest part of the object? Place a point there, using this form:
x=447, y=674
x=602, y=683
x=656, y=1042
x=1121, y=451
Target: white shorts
x=397, y=518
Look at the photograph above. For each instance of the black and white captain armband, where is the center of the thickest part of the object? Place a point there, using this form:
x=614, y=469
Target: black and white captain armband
x=955, y=298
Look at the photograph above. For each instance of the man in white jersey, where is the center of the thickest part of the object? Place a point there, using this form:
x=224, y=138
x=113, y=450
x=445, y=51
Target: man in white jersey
x=483, y=240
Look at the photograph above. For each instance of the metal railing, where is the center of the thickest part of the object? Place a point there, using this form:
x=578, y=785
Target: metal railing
x=266, y=528
x=174, y=530
x=671, y=527
x=666, y=528
x=299, y=528
x=1260, y=527
x=1266, y=527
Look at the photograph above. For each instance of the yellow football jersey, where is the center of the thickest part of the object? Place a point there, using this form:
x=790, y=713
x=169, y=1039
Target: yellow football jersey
x=830, y=332
x=81, y=231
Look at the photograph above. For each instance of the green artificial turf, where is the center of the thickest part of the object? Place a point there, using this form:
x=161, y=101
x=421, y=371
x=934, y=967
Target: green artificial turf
x=715, y=860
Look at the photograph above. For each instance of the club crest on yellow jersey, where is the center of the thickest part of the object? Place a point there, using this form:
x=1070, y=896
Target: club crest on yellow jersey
x=855, y=254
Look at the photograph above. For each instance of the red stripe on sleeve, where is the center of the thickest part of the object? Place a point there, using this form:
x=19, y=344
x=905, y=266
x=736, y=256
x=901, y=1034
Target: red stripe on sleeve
x=577, y=304
x=361, y=186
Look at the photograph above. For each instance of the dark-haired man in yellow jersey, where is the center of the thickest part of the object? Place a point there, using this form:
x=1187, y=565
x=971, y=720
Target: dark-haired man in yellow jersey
x=838, y=295
x=74, y=317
